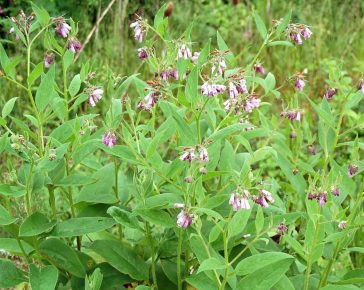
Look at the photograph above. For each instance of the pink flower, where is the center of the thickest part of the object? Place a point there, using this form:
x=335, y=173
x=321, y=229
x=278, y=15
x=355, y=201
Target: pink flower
x=204, y=156
x=296, y=38
x=74, y=45
x=306, y=33
x=300, y=84
x=293, y=115
x=221, y=66
x=149, y=101
x=109, y=138
x=211, y=90
x=263, y=198
x=143, y=53
x=259, y=68
x=188, y=155
x=240, y=201
x=322, y=198
x=233, y=91
x=95, y=96
x=138, y=30
x=250, y=104
x=281, y=229
x=335, y=191
x=184, y=52
x=361, y=86
x=352, y=169
x=242, y=86
x=342, y=225
x=184, y=220
x=63, y=29
x=195, y=57
x=330, y=93
x=48, y=60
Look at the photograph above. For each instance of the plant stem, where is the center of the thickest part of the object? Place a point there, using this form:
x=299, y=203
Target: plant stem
x=149, y=234
x=52, y=200
x=179, y=252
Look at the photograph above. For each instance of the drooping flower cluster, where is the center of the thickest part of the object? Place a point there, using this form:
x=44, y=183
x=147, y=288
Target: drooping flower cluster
x=184, y=52
x=139, y=29
x=299, y=81
x=264, y=198
x=281, y=229
x=330, y=93
x=298, y=31
x=292, y=115
x=184, y=218
x=74, y=45
x=352, y=169
x=48, y=60
x=143, y=53
x=95, y=96
x=239, y=199
x=62, y=28
x=218, y=67
x=322, y=196
x=189, y=154
x=168, y=73
x=149, y=100
x=342, y=225
x=211, y=90
x=259, y=69
x=109, y=138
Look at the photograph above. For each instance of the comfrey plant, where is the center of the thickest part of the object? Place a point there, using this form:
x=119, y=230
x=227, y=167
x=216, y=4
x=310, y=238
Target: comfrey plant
x=192, y=179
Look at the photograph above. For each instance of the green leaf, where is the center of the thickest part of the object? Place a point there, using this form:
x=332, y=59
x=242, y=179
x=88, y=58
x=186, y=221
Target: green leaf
x=155, y=216
x=272, y=272
x=260, y=25
x=43, y=278
x=10, y=275
x=62, y=256
x=280, y=43
x=12, y=246
x=201, y=281
x=223, y=47
x=35, y=224
x=270, y=81
x=191, y=90
x=211, y=264
x=45, y=91
x=35, y=74
x=94, y=281
x=283, y=25
x=122, y=257
x=5, y=62
x=204, y=54
x=123, y=217
x=76, y=179
x=227, y=131
x=68, y=58
x=238, y=222
x=5, y=217
x=259, y=220
x=75, y=85
x=82, y=225
x=41, y=15
x=158, y=20
x=256, y=262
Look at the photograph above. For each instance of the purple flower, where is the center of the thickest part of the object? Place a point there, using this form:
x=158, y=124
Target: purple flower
x=204, y=156
x=239, y=201
x=95, y=96
x=251, y=103
x=296, y=38
x=342, y=225
x=63, y=29
x=184, y=52
x=299, y=84
x=232, y=91
x=361, y=86
x=293, y=115
x=352, y=169
x=259, y=69
x=306, y=33
x=184, y=220
x=322, y=198
x=335, y=191
x=281, y=229
x=330, y=93
x=188, y=155
x=48, y=60
x=241, y=86
x=195, y=57
x=143, y=53
x=138, y=30
x=263, y=198
x=167, y=74
x=312, y=196
x=211, y=90
x=221, y=65
x=149, y=101
x=74, y=45
x=109, y=138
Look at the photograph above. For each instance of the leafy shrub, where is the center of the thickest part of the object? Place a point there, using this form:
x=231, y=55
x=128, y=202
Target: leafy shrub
x=192, y=177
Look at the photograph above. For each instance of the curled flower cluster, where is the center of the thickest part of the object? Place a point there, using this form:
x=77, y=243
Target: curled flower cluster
x=298, y=31
x=95, y=96
x=184, y=52
x=292, y=115
x=74, y=45
x=264, y=198
x=259, y=69
x=168, y=73
x=189, y=154
x=139, y=29
x=321, y=197
x=109, y=138
x=48, y=60
x=240, y=200
x=184, y=219
x=143, y=53
x=149, y=101
x=352, y=169
x=62, y=28
x=211, y=90
x=330, y=93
